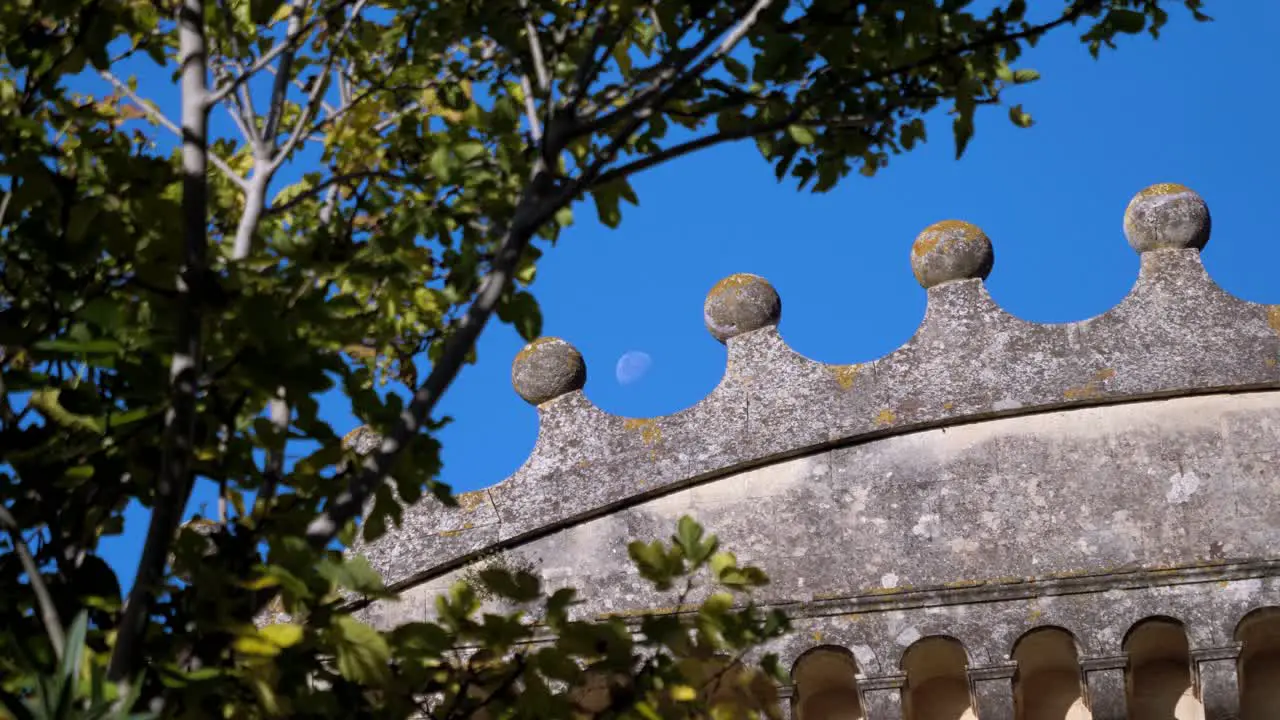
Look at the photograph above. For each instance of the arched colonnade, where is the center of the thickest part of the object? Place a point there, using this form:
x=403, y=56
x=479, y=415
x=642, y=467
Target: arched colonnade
x=1155, y=678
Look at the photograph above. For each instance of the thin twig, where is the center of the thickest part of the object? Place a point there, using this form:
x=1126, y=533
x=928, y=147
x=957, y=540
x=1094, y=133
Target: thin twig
x=48, y=611
x=8, y=195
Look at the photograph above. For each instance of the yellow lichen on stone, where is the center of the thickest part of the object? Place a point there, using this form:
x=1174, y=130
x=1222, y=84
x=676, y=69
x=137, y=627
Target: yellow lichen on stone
x=641, y=612
x=1273, y=317
x=650, y=433
x=532, y=347
x=1091, y=389
x=817, y=636
x=733, y=282
x=1160, y=189
x=948, y=405
x=470, y=501
x=952, y=231
x=925, y=244
x=885, y=417
x=845, y=375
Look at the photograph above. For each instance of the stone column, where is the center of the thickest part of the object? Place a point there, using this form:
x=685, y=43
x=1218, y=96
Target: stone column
x=1216, y=679
x=993, y=691
x=1104, y=678
x=882, y=697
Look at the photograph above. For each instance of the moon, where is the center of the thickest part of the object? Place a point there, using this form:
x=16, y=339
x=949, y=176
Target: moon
x=632, y=366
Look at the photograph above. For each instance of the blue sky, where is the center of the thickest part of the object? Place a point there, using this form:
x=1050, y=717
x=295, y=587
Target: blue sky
x=1191, y=108
x=1194, y=107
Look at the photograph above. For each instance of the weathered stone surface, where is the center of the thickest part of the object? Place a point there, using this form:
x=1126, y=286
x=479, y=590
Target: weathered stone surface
x=969, y=360
x=951, y=250
x=1106, y=682
x=546, y=369
x=1167, y=215
x=1219, y=684
x=993, y=691
x=990, y=477
x=739, y=304
x=882, y=697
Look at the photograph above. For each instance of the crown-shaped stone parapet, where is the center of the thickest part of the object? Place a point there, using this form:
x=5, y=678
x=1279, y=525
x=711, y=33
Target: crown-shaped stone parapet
x=1175, y=333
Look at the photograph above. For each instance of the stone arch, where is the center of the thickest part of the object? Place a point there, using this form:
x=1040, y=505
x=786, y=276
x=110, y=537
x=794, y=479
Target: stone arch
x=1158, y=674
x=1259, y=668
x=826, y=685
x=937, y=680
x=1048, y=684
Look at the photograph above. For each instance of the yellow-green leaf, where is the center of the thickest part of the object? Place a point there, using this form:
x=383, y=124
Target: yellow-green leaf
x=801, y=134
x=282, y=635
x=683, y=693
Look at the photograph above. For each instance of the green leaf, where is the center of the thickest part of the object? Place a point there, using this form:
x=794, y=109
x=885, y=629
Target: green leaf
x=722, y=562
x=1020, y=118
x=361, y=652
x=521, y=310
x=736, y=69
x=73, y=652
x=353, y=573
x=801, y=134
x=1127, y=21
x=963, y=129
x=441, y=163
x=262, y=11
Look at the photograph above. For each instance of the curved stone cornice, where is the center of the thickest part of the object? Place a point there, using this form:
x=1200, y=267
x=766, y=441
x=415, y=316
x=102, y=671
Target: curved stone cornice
x=1175, y=333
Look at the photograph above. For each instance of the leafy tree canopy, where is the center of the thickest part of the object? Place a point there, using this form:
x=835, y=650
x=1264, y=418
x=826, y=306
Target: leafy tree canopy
x=309, y=197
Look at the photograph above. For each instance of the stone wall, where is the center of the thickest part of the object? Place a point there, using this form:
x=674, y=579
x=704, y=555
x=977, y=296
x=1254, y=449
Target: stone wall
x=994, y=507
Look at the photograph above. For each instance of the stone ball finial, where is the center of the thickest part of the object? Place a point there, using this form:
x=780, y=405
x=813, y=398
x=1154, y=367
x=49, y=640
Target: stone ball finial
x=739, y=304
x=546, y=369
x=951, y=250
x=1167, y=215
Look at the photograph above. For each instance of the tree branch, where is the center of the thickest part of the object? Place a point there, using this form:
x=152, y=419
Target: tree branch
x=535, y=50
x=169, y=125
x=220, y=94
x=530, y=109
x=173, y=482
x=675, y=68
x=255, y=200
x=278, y=411
x=297, y=8
x=539, y=201
x=44, y=601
